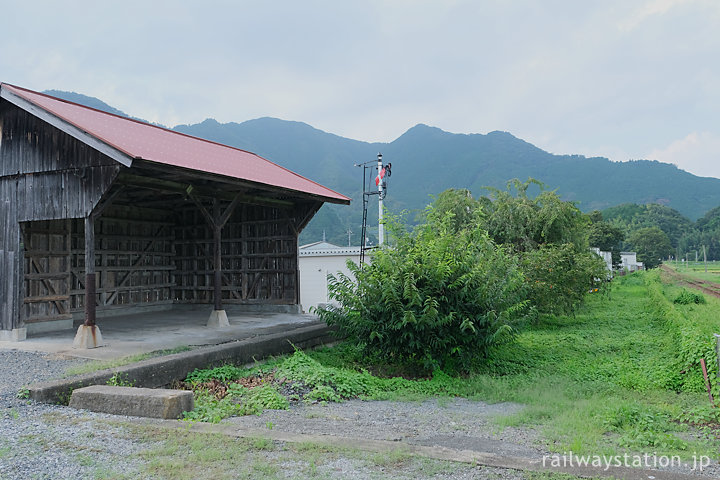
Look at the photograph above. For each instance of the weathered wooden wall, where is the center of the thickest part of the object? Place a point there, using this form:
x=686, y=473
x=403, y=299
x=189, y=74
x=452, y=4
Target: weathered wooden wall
x=259, y=257
x=46, y=271
x=45, y=174
x=133, y=258
x=10, y=253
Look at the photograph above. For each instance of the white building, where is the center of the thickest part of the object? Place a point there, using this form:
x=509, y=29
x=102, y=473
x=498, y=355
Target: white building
x=606, y=256
x=316, y=261
x=629, y=262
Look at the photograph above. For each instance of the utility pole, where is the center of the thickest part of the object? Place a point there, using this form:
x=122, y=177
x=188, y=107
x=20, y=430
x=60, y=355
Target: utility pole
x=381, y=226
x=705, y=262
x=381, y=184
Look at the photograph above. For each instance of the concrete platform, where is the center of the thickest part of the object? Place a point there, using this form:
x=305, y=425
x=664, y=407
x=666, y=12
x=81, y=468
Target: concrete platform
x=164, y=370
x=126, y=335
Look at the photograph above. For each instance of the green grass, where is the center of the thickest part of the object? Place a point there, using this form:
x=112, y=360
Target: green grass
x=697, y=271
x=619, y=376
x=95, y=366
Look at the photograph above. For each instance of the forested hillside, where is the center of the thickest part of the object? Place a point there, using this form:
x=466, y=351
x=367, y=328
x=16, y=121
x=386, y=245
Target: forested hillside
x=685, y=236
x=428, y=160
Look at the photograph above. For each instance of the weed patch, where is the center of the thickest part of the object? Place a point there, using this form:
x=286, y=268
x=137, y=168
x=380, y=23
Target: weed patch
x=95, y=366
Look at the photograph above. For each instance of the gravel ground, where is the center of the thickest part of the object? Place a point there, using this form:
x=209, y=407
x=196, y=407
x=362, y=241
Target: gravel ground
x=39, y=441
x=456, y=423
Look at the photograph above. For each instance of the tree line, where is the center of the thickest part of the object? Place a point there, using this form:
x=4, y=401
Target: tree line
x=656, y=232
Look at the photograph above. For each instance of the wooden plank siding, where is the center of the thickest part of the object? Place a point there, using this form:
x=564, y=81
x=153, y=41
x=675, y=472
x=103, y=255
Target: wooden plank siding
x=46, y=271
x=133, y=259
x=44, y=175
x=259, y=257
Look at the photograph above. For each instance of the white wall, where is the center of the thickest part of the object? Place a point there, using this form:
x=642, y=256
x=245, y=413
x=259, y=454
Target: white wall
x=314, y=270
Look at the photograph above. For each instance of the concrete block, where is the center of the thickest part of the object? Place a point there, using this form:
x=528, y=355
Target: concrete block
x=14, y=335
x=218, y=319
x=52, y=326
x=88, y=337
x=137, y=402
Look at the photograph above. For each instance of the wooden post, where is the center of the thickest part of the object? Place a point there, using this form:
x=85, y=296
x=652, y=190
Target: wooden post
x=216, y=222
x=217, y=236
x=90, y=305
x=717, y=352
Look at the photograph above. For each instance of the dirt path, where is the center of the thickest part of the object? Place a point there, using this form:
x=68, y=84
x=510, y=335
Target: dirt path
x=706, y=287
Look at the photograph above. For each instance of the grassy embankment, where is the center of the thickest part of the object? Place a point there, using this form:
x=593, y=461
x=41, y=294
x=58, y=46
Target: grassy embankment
x=621, y=376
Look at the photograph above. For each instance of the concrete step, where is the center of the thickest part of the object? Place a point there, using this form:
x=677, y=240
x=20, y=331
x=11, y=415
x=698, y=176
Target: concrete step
x=137, y=402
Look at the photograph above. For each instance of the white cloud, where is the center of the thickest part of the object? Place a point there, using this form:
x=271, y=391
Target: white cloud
x=561, y=74
x=649, y=9
x=698, y=153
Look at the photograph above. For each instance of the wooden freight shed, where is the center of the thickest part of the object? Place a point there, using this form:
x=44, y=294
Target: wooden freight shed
x=101, y=214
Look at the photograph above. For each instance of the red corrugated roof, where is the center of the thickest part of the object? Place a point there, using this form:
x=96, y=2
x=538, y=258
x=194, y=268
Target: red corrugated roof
x=140, y=140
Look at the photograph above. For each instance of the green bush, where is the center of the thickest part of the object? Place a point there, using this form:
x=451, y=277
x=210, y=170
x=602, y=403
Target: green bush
x=328, y=383
x=686, y=297
x=559, y=276
x=439, y=298
x=642, y=426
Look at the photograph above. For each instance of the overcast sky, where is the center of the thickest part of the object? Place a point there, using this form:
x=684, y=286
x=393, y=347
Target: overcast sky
x=624, y=79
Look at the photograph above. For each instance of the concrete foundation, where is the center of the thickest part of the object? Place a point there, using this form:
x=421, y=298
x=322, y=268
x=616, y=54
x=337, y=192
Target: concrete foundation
x=88, y=337
x=218, y=319
x=163, y=330
x=14, y=335
x=137, y=402
x=160, y=372
x=52, y=326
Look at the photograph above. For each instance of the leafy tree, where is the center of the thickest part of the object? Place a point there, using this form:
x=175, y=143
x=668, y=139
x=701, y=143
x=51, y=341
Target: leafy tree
x=464, y=210
x=438, y=299
x=559, y=276
x=550, y=237
x=525, y=223
x=605, y=236
x=464, y=279
x=709, y=221
x=631, y=217
x=651, y=245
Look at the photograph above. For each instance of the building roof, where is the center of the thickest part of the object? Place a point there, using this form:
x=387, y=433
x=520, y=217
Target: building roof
x=136, y=140
x=322, y=249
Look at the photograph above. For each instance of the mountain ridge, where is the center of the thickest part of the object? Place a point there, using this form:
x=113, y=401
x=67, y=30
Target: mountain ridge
x=427, y=160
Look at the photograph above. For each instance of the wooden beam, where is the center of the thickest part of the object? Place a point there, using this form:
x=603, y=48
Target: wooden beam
x=181, y=188
x=44, y=278
x=201, y=247
x=312, y=210
x=103, y=204
x=206, y=215
x=90, y=306
x=70, y=129
x=141, y=257
x=229, y=210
